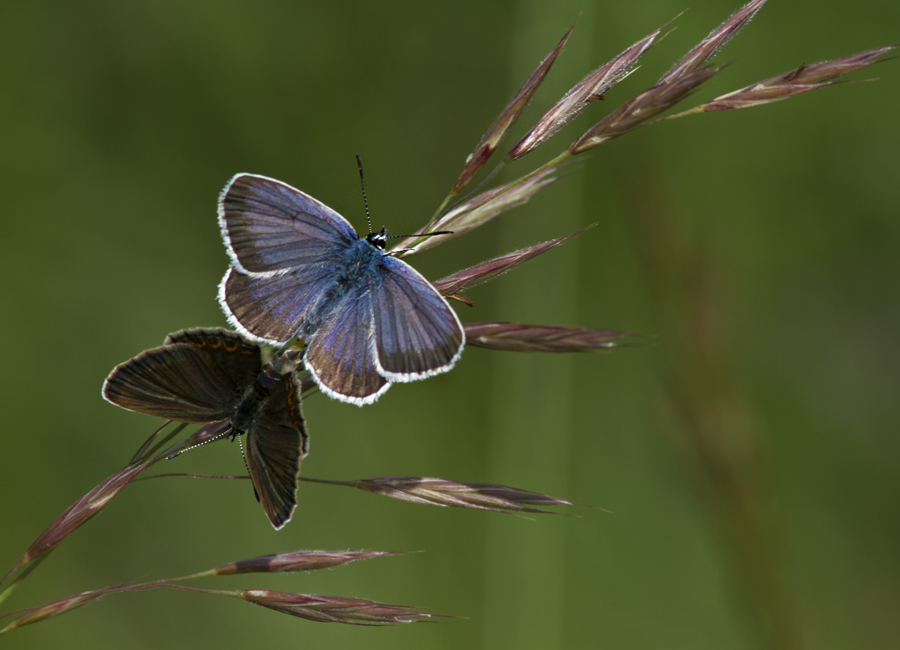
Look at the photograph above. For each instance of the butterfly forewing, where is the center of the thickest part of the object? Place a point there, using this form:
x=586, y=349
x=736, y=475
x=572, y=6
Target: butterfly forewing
x=219, y=339
x=417, y=333
x=188, y=380
x=270, y=226
x=276, y=442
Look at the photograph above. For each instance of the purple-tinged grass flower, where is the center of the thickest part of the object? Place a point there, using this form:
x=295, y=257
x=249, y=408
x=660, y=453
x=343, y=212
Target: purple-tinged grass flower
x=74, y=517
x=323, y=609
x=714, y=42
x=507, y=119
x=100, y=496
x=515, y=337
x=332, y=609
x=453, y=284
x=679, y=82
x=480, y=209
x=592, y=88
x=296, y=561
x=441, y=492
x=796, y=82
x=49, y=610
x=638, y=111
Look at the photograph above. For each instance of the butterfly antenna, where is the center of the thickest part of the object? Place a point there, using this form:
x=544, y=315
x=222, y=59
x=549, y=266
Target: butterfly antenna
x=244, y=456
x=362, y=184
x=427, y=234
x=200, y=444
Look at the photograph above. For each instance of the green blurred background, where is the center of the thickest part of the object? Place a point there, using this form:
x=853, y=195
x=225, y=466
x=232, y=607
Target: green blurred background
x=748, y=451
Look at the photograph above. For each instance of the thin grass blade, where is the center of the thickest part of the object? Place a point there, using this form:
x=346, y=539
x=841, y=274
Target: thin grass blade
x=333, y=609
x=714, y=42
x=482, y=208
x=483, y=272
x=49, y=610
x=592, y=88
x=643, y=108
x=507, y=119
x=296, y=561
x=477, y=496
x=796, y=82
x=515, y=337
x=79, y=513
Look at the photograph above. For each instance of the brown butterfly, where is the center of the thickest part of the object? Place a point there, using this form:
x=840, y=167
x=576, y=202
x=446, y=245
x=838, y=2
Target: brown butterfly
x=211, y=374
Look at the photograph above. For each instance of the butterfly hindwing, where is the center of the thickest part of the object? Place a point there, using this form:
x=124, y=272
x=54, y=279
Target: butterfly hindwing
x=417, y=333
x=272, y=308
x=276, y=442
x=341, y=354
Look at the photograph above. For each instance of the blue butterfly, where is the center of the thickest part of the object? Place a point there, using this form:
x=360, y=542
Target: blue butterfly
x=299, y=268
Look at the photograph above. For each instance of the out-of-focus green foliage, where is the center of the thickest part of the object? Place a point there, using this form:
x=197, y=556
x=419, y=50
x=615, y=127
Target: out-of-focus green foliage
x=750, y=449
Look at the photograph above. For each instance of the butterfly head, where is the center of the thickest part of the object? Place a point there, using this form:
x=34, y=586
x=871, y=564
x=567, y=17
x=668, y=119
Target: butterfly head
x=378, y=239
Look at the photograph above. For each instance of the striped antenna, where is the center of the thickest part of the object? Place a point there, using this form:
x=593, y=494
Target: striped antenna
x=229, y=431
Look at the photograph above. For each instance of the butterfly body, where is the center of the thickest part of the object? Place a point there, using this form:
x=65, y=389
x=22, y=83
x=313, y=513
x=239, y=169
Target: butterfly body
x=359, y=263
x=299, y=268
x=252, y=402
x=253, y=405
x=210, y=375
